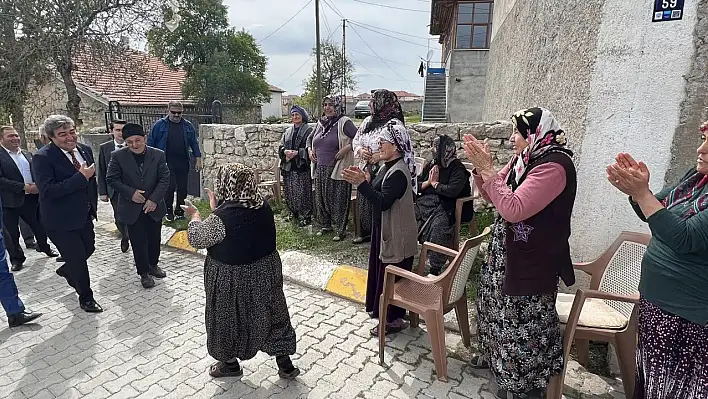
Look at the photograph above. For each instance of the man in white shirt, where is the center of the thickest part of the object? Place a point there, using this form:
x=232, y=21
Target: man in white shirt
x=105, y=192
x=20, y=197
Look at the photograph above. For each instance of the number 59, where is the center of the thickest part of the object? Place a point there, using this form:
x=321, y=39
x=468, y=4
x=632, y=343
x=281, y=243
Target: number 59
x=668, y=4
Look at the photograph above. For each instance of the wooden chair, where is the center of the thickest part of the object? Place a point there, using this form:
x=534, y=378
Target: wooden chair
x=420, y=162
x=431, y=297
x=606, y=312
x=472, y=224
x=355, y=216
x=274, y=185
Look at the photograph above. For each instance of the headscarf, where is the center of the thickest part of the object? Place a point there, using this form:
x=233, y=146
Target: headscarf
x=691, y=195
x=543, y=133
x=444, y=150
x=326, y=122
x=236, y=185
x=385, y=107
x=397, y=134
x=298, y=109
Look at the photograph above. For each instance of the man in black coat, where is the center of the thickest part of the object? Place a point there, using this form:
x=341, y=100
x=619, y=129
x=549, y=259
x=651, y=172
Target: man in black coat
x=107, y=193
x=20, y=198
x=140, y=176
x=68, y=199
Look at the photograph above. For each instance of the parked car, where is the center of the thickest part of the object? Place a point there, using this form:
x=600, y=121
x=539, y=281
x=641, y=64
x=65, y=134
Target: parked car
x=361, y=109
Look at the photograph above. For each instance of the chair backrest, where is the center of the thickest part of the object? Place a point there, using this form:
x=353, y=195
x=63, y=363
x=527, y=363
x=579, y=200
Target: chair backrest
x=470, y=168
x=459, y=269
x=623, y=270
x=420, y=161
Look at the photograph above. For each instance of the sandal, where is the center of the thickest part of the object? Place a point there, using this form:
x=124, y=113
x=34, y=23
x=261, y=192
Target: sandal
x=478, y=362
x=221, y=369
x=389, y=330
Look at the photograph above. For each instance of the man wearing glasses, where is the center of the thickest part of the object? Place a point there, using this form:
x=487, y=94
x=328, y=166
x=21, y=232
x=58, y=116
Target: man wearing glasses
x=177, y=137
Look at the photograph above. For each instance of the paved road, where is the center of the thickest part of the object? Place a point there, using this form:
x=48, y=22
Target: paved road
x=152, y=343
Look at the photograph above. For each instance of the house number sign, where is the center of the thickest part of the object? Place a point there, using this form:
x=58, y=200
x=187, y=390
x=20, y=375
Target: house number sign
x=668, y=10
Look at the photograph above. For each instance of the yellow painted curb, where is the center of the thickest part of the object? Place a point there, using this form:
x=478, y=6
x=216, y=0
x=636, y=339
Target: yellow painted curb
x=179, y=240
x=348, y=282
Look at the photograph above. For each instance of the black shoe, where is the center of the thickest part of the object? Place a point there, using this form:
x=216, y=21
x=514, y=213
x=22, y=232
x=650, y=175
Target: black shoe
x=156, y=271
x=124, y=245
x=361, y=240
x=179, y=216
x=147, y=281
x=16, y=320
x=338, y=237
x=285, y=367
x=49, y=252
x=60, y=259
x=169, y=217
x=30, y=244
x=324, y=231
x=16, y=266
x=91, y=307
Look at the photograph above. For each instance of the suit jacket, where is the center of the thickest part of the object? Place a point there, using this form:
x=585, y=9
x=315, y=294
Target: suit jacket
x=104, y=158
x=66, y=198
x=12, y=184
x=125, y=177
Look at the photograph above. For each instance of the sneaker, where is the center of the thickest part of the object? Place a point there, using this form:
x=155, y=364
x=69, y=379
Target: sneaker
x=147, y=281
x=324, y=231
x=156, y=271
x=170, y=217
x=179, y=216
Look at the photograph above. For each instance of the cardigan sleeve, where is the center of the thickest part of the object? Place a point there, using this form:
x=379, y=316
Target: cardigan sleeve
x=393, y=188
x=480, y=183
x=206, y=233
x=683, y=235
x=542, y=185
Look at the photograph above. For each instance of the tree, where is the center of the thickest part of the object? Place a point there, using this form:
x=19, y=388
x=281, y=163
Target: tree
x=220, y=62
x=334, y=69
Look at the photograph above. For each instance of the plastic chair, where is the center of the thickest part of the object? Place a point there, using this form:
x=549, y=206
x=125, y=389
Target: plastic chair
x=432, y=297
x=272, y=185
x=607, y=312
x=472, y=224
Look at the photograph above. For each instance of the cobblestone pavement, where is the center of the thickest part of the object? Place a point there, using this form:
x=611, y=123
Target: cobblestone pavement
x=152, y=343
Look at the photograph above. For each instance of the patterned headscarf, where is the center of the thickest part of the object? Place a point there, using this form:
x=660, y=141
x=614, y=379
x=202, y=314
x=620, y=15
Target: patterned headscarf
x=385, y=107
x=543, y=133
x=397, y=134
x=236, y=184
x=298, y=109
x=444, y=150
x=326, y=122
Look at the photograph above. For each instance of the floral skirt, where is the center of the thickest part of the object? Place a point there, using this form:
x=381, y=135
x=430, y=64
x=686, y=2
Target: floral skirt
x=519, y=336
x=298, y=193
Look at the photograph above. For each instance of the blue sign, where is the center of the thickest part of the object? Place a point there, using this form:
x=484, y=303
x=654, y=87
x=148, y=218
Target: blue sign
x=668, y=10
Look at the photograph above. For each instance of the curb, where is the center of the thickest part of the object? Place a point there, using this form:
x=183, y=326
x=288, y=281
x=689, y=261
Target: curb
x=348, y=282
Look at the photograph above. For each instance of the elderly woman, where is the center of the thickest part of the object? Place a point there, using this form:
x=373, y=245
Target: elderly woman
x=332, y=152
x=295, y=164
x=519, y=334
x=393, y=235
x=243, y=276
x=672, y=355
x=384, y=108
x=443, y=180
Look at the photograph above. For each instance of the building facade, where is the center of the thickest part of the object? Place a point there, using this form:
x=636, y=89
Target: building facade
x=617, y=80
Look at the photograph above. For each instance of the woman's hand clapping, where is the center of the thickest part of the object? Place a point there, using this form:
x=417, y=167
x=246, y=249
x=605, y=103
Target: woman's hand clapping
x=354, y=175
x=629, y=176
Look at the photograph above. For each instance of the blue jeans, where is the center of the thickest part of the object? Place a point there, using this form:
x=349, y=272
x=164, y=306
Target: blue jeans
x=8, y=289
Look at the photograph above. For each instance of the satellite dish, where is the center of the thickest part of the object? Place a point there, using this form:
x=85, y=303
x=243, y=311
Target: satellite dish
x=429, y=56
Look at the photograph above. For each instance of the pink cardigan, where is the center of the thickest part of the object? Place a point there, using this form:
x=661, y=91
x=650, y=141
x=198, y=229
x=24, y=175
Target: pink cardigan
x=542, y=185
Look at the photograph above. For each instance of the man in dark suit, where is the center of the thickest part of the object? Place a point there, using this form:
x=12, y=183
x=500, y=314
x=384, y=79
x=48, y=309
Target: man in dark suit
x=140, y=176
x=20, y=198
x=106, y=192
x=68, y=199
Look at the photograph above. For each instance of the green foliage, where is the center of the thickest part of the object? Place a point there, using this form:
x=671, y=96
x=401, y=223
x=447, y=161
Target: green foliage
x=334, y=70
x=221, y=63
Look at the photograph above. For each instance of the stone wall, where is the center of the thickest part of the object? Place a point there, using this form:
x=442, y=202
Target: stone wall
x=257, y=145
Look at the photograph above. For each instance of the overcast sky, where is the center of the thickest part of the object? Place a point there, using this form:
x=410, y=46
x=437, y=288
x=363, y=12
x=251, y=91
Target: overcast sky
x=289, y=48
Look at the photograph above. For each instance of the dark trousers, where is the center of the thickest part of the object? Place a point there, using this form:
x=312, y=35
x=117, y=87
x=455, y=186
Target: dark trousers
x=11, y=228
x=76, y=246
x=122, y=227
x=179, y=172
x=145, y=240
x=26, y=231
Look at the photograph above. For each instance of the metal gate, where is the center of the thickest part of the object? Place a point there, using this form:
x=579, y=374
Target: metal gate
x=146, y=116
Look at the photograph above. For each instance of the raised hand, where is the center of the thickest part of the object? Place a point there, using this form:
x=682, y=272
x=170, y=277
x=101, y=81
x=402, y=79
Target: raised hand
x=212, y=199
x=88, y=172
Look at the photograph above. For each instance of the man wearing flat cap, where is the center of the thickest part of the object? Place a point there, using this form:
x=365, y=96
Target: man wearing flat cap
x=140, y=176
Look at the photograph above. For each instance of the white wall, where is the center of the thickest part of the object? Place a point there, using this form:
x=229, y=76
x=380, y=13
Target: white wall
x=274, y=108
x=635, y=93
x=502, y=8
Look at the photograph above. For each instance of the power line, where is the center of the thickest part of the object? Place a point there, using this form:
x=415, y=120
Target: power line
x=286, y=22
x=373, y=56
x=388, y=30
x=326, y=23
x=383, y=77
x=391, y=7
x=376, y=54
x=308, y=60
x=390, y=36
x=332, y=6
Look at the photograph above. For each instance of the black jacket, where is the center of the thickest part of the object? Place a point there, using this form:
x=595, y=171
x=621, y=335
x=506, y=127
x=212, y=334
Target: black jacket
x=12, y=184
x=454, y=184
x=125, y=177
x=104, y=158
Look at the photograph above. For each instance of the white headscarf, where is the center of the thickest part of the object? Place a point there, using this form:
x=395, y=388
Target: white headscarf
x=397, y=134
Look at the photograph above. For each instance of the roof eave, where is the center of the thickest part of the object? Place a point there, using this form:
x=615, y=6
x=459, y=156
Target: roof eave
x=441, y=12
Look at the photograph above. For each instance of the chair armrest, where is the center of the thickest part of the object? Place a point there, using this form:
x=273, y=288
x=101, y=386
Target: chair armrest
x=586, y=267
x=390, y=269
x=461, y=201
x=439, y=249
x=587, y=294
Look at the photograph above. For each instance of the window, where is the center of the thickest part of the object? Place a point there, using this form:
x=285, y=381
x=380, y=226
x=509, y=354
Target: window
x=474, y=25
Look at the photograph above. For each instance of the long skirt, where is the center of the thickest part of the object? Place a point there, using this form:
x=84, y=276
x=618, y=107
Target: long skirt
x=672, y=356
x=298, y=193
x=375, y=278
x=332, y=200
x=364, y=213
x=434, y=225
x=518, y=335
x=246, y=310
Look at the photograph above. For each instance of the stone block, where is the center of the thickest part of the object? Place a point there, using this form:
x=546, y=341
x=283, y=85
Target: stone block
x=208, y=146
x=240, y=133
x=477, y=130
x=499, y=130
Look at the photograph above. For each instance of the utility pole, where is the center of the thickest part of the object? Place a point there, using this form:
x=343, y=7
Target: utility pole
x=344, y=65
x=319, y=59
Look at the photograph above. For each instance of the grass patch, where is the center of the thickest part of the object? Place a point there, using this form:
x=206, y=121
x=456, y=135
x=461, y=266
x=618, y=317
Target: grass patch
x=484, y=219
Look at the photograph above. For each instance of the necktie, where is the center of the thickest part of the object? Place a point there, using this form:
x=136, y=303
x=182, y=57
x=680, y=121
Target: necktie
x=74, y=160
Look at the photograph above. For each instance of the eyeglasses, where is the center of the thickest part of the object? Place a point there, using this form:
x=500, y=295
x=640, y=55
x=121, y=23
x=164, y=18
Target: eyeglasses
x=328, y=105
x=176, y=113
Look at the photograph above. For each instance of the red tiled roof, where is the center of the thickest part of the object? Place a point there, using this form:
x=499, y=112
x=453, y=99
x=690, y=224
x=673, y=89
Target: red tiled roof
x=405, y=94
